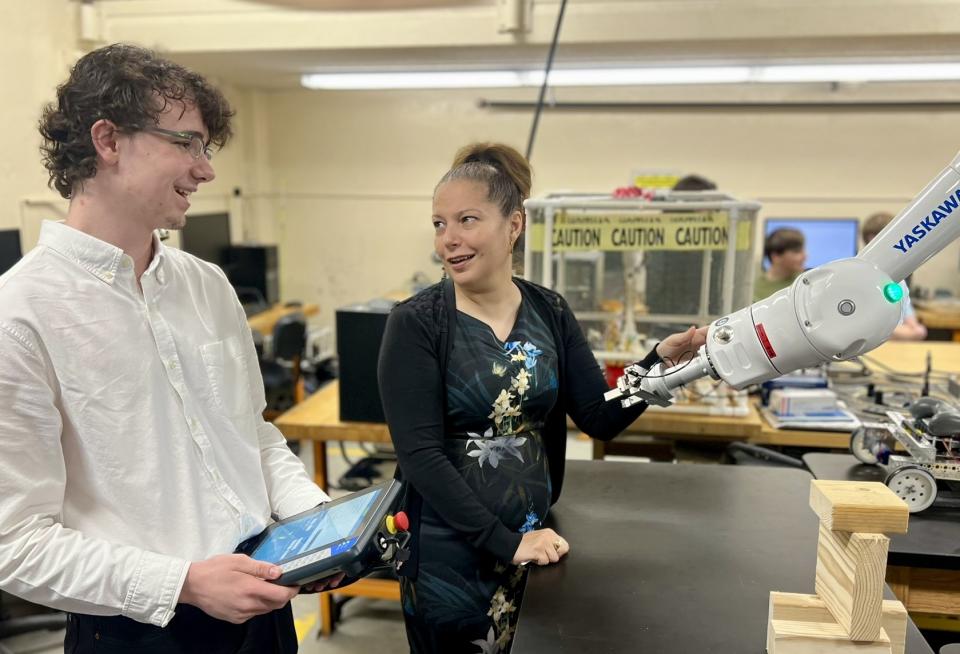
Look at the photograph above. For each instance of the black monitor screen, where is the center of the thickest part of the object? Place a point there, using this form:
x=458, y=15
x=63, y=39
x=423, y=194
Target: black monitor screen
x=206, y=235
x=826, y=240
x=9, y=249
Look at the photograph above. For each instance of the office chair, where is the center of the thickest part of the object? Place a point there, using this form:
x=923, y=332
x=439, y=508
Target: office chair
x=252, y=300
x=281, y=373
x=750, y=454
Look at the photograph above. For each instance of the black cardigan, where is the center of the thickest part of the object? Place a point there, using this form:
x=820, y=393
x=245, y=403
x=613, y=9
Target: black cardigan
x=412, y=371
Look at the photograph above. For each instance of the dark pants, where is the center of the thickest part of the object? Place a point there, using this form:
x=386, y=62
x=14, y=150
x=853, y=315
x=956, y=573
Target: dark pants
x=190, y=632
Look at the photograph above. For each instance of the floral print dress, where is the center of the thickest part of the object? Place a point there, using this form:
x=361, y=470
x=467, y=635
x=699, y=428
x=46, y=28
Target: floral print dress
x=498, y=397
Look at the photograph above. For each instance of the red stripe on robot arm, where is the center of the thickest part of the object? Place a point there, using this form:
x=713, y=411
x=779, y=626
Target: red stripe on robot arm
x=764, y=341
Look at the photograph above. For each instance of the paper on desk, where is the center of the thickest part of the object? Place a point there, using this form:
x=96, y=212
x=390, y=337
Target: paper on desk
x=842, y=420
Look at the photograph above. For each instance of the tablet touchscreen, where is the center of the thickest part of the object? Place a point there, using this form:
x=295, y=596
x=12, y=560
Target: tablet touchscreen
x=335, y=525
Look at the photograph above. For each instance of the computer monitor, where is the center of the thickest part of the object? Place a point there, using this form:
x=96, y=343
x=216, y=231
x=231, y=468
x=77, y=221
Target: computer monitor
x=206, y=236
x=10, y=252
x=826, y=239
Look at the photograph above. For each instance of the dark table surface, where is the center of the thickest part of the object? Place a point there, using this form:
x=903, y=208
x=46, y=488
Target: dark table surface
x=672, y=559
x=933, y=536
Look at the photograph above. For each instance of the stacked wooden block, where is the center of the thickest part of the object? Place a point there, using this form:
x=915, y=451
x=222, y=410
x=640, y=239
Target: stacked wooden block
x=848, y=612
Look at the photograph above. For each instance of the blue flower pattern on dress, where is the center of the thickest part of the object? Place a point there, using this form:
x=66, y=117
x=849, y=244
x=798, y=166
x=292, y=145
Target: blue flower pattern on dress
x=526, y=352
x=533, y=521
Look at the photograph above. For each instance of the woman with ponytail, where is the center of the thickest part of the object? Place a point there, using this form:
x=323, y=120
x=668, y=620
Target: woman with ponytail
x=478, y=375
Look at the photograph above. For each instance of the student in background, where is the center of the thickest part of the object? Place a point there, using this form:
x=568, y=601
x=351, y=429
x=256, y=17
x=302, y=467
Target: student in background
x=909, y=329
x=784, y=251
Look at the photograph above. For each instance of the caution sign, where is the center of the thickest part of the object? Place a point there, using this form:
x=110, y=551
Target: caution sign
x=662, y=231
x=655, y=180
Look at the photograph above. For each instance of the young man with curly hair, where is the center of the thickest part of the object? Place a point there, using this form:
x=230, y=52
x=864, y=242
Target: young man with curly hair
x=134, y=458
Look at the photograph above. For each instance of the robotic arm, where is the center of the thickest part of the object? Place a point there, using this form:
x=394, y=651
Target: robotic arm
x=831, y=313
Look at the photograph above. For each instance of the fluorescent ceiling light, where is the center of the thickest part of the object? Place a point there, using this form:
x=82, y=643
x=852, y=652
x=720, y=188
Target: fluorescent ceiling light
x=476, y=79
x=644, y=76
x=768, y=73
x=925, y=72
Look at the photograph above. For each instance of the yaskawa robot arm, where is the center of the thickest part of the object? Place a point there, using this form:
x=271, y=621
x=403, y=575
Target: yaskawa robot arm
x=831, y=313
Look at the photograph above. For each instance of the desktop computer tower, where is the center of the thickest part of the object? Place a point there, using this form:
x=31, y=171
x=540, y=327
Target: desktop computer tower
x=253, y=267
x=359, y=333
x=9, y=249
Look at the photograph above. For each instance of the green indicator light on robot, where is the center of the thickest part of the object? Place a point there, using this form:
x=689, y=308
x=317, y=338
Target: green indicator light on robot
x=893, y=292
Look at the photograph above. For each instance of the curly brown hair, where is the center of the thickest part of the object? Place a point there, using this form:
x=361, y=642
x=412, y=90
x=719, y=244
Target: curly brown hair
x=120, y=83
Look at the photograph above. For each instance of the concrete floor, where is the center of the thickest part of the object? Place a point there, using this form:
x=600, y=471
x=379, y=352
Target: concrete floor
x=365, y=625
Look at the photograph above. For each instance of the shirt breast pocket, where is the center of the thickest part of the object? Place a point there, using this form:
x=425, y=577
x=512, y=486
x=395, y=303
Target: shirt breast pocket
x=228, y=377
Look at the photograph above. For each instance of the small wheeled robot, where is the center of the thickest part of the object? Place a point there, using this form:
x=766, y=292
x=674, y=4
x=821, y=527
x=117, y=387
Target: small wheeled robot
x=930, y=437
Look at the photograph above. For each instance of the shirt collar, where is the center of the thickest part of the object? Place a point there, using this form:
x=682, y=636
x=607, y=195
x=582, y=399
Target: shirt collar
x=98, y=257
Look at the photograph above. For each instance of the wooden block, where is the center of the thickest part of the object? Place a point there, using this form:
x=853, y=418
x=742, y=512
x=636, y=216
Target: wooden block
x=861, y=506
x=895, y=625
x=810, y=609
x=798, y=607
x=850, y=577
x=802, y=624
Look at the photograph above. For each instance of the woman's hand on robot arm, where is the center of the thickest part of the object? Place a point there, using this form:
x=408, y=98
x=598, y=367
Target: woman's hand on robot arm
x=678, y=345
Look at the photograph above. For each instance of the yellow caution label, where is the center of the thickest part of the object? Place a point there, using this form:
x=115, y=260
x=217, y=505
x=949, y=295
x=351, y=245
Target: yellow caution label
x=654, y=180
x=577, y=232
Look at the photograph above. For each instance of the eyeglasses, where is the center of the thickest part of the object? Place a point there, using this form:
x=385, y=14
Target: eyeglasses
x=192, y=142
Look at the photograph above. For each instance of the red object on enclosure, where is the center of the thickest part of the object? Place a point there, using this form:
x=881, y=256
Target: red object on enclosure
x=613, y=372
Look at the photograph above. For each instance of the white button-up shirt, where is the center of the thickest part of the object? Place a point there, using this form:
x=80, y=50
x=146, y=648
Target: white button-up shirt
x=131, y=440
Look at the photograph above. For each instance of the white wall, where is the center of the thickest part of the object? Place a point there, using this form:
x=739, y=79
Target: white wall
x=37, y=40
x=353, y=173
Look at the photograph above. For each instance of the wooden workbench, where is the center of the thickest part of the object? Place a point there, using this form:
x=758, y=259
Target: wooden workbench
x=265, y=321
x=911, y=356
x=751, y=428
x=907, y=357
x=937, y=317
x=317, y=419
